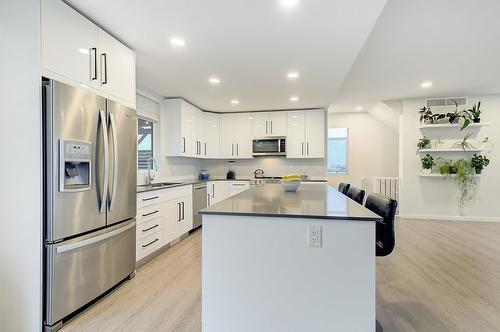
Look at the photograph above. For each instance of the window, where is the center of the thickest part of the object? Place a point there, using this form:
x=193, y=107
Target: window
x=144, y=142
x=337, y=150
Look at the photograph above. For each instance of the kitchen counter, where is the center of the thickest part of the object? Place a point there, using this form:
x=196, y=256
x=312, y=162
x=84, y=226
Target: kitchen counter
x=281, y=261
x=312, y=200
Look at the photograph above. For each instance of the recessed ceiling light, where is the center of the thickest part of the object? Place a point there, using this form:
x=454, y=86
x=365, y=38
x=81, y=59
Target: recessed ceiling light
x=177, y=41
x=293, y=75
x=235, y=101
x=359, y=108
x=214, y=80
x=289, y=3
x=294, y=98
x=426, y=84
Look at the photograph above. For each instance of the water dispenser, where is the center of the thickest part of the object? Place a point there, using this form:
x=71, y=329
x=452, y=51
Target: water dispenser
x=75, y=165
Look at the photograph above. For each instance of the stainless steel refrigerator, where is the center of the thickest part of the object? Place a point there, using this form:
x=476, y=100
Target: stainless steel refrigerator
x=90, y=163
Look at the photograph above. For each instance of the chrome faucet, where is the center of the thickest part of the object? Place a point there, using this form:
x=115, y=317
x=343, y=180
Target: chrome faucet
x=151, y=162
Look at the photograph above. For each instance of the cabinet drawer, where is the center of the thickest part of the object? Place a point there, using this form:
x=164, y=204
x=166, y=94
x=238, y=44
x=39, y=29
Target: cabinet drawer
x=148, y=213
x=148, y=244
x=239, y=185
x=149, y=227
x=162, y=195
x=149, y=198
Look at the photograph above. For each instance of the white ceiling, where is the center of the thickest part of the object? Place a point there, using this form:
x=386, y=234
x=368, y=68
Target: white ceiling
x=453, y=43
x=249, y=45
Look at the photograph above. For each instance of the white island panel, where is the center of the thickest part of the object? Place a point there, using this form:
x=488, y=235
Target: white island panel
x=260, y=275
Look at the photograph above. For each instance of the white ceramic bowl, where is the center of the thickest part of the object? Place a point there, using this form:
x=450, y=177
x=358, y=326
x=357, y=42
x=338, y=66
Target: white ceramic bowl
x=291, y=186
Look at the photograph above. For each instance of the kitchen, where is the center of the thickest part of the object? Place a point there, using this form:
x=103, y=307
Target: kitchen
x=192, y=170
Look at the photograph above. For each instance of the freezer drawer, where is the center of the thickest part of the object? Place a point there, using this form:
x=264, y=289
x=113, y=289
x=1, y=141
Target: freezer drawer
x=81, y=269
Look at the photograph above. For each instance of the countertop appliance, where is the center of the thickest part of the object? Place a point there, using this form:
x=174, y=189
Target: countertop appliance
x=90, y=169
x=200, y=201
x=231, y=173
x=269, y=146
x=258, y=173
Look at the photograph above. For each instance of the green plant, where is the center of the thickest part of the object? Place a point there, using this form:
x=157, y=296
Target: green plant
x=423, y=142
x=447, y=167
x=425, y=114
x=455, y=116
x=465, y=182
x=487, y=145
x=427, y=162
x=463, y=143
x=473, y=114
x=479, y=162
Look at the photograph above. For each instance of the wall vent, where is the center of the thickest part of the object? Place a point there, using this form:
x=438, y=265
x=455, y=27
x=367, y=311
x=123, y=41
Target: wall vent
x=438, y=102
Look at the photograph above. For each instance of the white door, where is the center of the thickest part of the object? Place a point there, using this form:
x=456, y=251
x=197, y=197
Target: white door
x=219, y=191
x=198, y=133
x=260, y=124
x=171, y=221
x=185, y=223
x=315, y=134
x=295, y=140
x=243, y=135
x=227, y=135
x=211, y=132
x=69, y=43
x=278, y=123
x=188, y=128
x=117, y=67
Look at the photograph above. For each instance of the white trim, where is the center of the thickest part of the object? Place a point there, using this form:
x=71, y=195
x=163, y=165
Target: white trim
x=449, y=218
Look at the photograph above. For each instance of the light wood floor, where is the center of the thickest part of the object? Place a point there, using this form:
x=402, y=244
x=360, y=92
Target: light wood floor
x=443, y=276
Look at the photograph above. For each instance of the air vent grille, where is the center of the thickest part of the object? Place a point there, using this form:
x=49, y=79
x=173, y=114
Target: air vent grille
x=438, y=102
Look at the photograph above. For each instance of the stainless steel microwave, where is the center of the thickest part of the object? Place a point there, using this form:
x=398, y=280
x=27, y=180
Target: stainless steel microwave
x=269, y=146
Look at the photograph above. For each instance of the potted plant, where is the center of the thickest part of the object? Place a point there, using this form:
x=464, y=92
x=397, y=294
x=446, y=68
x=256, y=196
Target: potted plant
x=473, y=114
x=479, y=162
x=427, y=163
x=426, y=115
x=463, y=143
x=424, y=143
x=487, y=145
x=455, y=116
x=447, y=167
x=465, y=182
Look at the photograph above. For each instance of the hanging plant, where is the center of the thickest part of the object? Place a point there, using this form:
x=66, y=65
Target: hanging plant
x=465, y=182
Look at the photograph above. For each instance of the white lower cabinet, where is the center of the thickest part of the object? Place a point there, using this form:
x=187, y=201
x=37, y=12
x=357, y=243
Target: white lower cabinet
x=220, y=190
x=162, y=216
x=236, y=187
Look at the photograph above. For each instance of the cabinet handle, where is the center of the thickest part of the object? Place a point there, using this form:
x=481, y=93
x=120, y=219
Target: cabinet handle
x=150, y=213
x=266, y=127
x=178, y=211
x=307, y=144
x=205, y=148
x=150, y=243
x=232, y=149
x=213, y=190
x=104, y=65
x=302, y=144
x=150, y=228
x=182, y=210
x=149, y=198
x=237, y=149
x=238, y=184
x=271, y=127
x=208, y=200
x=93, y=63
x=183, y=144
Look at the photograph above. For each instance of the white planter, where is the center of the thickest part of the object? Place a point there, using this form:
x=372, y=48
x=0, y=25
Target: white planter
x=427, y=171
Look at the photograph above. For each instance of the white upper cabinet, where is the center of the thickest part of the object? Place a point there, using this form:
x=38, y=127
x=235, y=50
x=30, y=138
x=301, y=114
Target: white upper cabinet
x=117, y=67
x=69, y=43
x=77, y=52
x=211, y=132
x=306, y=134
x=181, y=123
x=266, y=124
x=236, y=136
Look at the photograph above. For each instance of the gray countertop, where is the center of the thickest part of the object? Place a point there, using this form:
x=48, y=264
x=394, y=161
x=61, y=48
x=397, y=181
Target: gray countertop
x=312, y=200
x=178, y=183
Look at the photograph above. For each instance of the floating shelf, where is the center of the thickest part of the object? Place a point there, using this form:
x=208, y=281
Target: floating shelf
x=437, y=175
x=452, y=150
x=454, y=125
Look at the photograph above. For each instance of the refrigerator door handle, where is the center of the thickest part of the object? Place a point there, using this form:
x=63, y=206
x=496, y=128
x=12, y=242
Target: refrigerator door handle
x=115, y=161
x=104, y=193
x=93, y=240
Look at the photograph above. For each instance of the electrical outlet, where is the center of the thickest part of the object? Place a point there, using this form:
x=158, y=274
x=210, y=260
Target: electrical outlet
x=314, y=236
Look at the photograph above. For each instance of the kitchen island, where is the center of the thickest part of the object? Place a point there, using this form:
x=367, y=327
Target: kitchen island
x=278, y=261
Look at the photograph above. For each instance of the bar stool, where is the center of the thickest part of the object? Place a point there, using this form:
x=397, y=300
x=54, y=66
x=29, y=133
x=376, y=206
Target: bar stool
x=356, y=194
x=344, y=187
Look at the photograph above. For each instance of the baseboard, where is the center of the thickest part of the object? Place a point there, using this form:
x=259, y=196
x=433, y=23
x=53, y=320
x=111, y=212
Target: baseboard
x=449, y=218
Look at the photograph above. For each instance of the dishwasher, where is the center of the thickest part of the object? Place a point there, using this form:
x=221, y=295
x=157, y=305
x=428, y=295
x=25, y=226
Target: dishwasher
x=199, y=202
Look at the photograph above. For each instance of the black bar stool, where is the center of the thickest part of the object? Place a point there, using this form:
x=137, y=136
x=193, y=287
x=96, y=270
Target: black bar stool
x=356, y=194
x=344, y=187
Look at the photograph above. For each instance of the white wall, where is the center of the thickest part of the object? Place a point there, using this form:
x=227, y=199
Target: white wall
x=272, y=166
x=21, y=167
x=373, y=144
x=169, y=168
x=438, y=198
